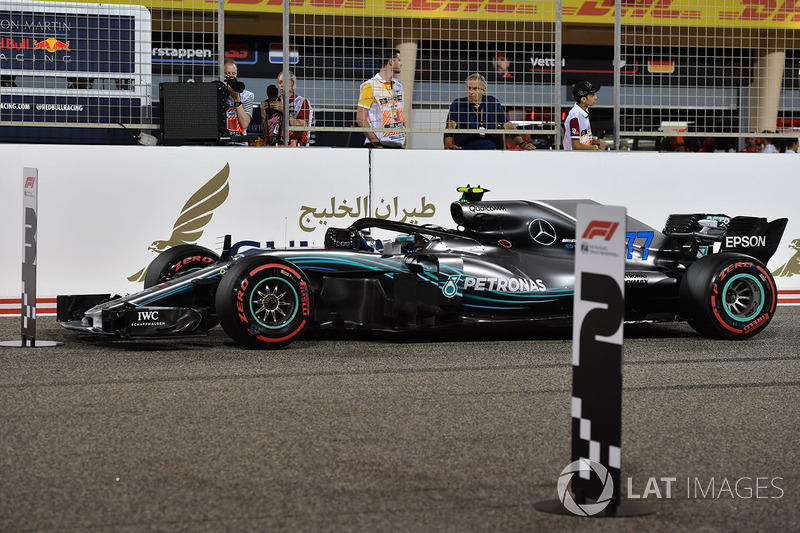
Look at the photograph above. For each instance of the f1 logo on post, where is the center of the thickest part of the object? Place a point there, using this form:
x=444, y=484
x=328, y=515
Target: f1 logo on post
x=30, y=182
x=600, y=228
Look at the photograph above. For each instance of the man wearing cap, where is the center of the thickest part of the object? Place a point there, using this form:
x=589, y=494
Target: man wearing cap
x=577, y=129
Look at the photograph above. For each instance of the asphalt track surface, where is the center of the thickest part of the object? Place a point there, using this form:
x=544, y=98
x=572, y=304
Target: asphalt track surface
x=444, y=433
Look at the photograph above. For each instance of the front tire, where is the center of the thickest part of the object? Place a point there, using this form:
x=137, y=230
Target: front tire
x=728, y=296
x=264, y=302
x=178, y=261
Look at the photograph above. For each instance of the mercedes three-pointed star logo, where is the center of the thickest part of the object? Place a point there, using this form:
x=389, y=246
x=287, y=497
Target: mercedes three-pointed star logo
x=542, y=232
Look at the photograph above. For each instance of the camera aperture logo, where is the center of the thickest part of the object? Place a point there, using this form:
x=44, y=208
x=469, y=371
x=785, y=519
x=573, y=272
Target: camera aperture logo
x=585, y=509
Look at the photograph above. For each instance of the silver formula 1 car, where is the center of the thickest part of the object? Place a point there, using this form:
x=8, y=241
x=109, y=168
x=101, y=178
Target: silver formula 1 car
x=507, y=262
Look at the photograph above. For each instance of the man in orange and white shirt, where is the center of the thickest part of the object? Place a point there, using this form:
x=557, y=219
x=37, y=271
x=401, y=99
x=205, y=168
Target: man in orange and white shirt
x=380, y=105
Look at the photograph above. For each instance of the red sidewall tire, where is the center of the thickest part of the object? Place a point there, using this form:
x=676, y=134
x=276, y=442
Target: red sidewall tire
x=728, y=296
x=264, y=302
x=177, y=261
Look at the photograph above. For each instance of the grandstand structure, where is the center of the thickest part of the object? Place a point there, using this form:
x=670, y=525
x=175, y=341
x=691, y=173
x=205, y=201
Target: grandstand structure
x=724, y=69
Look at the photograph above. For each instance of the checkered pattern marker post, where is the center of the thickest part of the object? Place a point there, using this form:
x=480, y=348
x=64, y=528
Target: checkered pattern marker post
x=597, y=346
x=30, y=191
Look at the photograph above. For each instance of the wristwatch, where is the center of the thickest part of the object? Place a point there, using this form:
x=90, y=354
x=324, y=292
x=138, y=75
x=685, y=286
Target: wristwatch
x=237, y=104
x=523, y=143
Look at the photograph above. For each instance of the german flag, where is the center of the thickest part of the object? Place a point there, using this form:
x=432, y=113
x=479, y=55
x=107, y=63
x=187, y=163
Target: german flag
x=660, y=66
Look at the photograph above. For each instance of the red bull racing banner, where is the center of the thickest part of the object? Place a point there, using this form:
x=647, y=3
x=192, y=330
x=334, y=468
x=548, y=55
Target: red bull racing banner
x=74, y=63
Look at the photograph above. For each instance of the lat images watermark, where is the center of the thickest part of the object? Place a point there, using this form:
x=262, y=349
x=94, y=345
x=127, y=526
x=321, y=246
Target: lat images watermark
x=745, y=488
x=585, y=509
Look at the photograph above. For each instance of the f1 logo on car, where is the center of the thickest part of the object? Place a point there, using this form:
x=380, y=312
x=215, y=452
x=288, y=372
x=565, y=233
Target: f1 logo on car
x=600, y=228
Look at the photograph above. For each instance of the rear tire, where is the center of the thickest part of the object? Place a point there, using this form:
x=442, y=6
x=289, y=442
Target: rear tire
x=264, y=302
x=728, y=296
x=178, y=261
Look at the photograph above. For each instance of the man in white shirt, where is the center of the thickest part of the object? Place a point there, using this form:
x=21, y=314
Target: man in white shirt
x=769, y=146
x=577, y=128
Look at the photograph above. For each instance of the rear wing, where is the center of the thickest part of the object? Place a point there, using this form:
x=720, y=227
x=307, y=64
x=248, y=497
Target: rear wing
x=752, y=236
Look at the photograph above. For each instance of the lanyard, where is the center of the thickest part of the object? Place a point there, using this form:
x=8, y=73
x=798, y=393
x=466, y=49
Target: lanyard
x=478, y=117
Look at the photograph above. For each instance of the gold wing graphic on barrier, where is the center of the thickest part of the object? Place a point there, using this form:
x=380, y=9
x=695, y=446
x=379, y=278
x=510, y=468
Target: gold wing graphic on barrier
x=194, y=216
x=792, y=266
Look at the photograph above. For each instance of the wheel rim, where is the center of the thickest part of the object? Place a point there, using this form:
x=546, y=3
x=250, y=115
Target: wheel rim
x=273, y=303
x=743, y=297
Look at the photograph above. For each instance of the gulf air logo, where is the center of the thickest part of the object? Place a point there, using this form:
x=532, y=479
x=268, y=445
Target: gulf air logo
x=51, y=45
x=600, y=228
x=194, y=216
x=792, y=266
